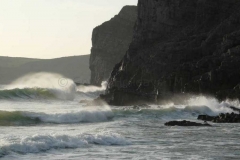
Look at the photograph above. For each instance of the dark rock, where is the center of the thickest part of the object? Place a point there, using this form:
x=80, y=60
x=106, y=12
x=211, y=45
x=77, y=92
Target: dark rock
x=221, y=118
x=180, y=46
x=110, y=42
x=186, y=123
x=205, y=118
x=82, y=84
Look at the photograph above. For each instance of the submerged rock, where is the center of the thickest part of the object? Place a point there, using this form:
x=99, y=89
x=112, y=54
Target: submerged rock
x=206, y=118
x=186, y=123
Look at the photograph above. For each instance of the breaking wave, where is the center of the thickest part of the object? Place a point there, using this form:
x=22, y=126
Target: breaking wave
x=38, y=86
x=189, y=110
x=36, y=93
x=90, y=92
x=42, y=143
x=88, y=115
x=91, y=89
x=27, y=93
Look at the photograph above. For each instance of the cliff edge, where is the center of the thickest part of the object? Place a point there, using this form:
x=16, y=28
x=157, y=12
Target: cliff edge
x=110, y=41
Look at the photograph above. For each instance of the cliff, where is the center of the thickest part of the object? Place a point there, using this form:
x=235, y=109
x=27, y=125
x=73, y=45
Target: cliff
x=180, y=46
x=110, y=41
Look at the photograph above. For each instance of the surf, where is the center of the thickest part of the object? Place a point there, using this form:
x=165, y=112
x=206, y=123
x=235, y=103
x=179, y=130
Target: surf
x=27, y=93
x=189, y=109
x=84, y=115
x=40, y=86
x=43, y=143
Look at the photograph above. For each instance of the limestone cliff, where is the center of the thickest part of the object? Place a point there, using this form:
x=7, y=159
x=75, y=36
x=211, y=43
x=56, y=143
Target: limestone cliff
x=110, y=41
x=180, y=46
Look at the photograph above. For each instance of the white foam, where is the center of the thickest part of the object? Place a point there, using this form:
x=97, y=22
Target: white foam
x=212, y=103
x=90, y=92
x=196, y=105
x=201, y=105
x=87, y=89
x=41, y=143
x=106, y=138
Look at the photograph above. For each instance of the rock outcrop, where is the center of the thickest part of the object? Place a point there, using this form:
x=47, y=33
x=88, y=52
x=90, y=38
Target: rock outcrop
x=180, y=46
x=221, y=118
x=186, y=124
x=110, y=41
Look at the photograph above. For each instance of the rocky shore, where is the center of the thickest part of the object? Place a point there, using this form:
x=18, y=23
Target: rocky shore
x=221, y=118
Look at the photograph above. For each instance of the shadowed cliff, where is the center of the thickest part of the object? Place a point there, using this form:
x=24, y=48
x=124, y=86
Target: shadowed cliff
x=180, y=46
x=110, y=42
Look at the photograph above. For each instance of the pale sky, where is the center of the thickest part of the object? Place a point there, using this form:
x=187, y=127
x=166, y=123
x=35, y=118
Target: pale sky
x=52, y=28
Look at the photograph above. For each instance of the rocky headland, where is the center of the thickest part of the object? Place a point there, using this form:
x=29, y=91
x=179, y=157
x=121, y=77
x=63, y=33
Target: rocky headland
x=178, y=46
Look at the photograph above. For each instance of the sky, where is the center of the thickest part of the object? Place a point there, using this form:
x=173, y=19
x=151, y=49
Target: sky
x=52, y=28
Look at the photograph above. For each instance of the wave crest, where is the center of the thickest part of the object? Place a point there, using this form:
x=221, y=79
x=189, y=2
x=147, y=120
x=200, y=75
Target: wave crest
x=190, y=109
x=26, y=93
x=42, y=143
x=36, y=93
x=38, y=86
x=88, y=115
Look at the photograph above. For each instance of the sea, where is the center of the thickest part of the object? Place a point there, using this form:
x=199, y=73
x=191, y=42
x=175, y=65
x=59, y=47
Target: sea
x=41, y=117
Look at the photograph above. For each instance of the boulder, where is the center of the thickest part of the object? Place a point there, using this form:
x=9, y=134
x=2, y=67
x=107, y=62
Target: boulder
x=186, y=124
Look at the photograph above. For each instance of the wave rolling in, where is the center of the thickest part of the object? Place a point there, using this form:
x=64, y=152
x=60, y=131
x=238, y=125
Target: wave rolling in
x=42, y=143
x=40, y=85
x=84, y=115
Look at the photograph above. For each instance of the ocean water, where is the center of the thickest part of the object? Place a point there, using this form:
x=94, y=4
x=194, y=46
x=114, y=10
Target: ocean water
x=44, y=120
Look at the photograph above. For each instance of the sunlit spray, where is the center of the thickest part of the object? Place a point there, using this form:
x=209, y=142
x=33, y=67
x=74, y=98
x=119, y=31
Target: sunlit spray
x=60, y=86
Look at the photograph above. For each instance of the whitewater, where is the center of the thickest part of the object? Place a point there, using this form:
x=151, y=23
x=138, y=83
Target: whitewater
x=41, y=117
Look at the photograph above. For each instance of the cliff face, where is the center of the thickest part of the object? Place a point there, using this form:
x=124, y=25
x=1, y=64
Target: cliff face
x=110, y=42
x=180, y=46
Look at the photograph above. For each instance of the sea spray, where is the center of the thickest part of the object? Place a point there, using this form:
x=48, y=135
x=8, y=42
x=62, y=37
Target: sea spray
x=86, y=89
x=190, y=108
x=90, y=92
x=41, y=84
x=212, y=103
